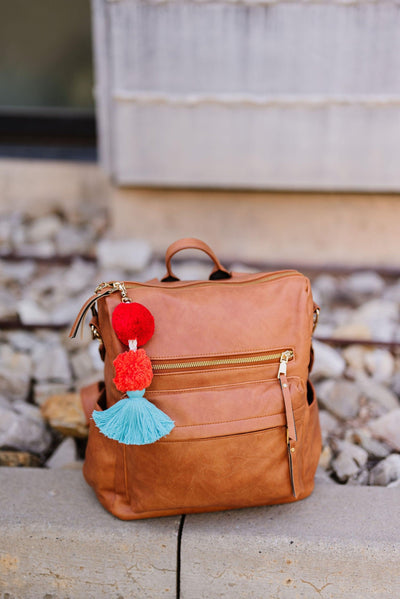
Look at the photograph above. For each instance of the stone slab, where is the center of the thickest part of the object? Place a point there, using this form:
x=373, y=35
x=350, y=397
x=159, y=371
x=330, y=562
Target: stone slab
x=341, y=542
x=57, y=542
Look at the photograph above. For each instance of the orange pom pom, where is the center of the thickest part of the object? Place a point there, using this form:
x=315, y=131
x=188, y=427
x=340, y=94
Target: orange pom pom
x=133, y=371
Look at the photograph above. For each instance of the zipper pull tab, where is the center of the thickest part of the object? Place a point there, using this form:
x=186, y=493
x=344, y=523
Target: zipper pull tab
x=285, y=357
x=120, y=286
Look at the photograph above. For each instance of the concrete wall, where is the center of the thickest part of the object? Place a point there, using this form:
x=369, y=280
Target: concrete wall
x=256, y=95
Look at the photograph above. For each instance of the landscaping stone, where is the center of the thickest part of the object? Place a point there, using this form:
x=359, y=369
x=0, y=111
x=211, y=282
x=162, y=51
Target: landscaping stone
x=65, y=454
x=64, y=413
x=129, y=254
x=387, y=428
x=340, y=398
x=328, y=362
x=15, y=373
x=56, y=369
x=22, y=431
x=387, y=471
x=18, y=459
x=380, y=365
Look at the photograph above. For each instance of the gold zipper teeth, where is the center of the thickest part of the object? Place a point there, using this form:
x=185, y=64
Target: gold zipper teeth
x=220, y=362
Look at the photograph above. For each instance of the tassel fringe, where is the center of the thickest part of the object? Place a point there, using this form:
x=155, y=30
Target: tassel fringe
x=133, y=420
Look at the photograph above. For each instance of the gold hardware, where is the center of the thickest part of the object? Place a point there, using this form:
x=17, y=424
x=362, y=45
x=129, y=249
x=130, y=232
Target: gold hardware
x=95, y=333
x=315, y=318
x=284, y=359
x=102, y=286
x=120, y=286
x=222, y=361
x=292, y=449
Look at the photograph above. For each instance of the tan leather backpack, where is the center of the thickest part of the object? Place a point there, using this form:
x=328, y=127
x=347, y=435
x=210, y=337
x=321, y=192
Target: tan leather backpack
x=231, y=358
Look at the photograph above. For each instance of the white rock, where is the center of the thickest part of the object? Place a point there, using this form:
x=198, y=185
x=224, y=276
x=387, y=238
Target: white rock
x=64, y=455
x=394, y=484
x=8, y=308
x=23, y=432
x=344, y=466
x=23, y=341
x=15, y=373
x=79, y=276
x=387, y=428
x=341, y=398
x=30, y=313
x=128, y=254
x=82, y=363
x=377, y=394
x=97, y=362
x=42, y=391
x=43, y=228
x=20, y=272
x=42, y=249
x=363, y=437
x=51, y=363
x=325, y=457
x=363, y=284
x=387, y=471
x=353, y=330
x=74, y=240
x=355, y=356
x=357, y=453
x=380, y=364
x=328, y=362
x=380, y=316
x=325, y=289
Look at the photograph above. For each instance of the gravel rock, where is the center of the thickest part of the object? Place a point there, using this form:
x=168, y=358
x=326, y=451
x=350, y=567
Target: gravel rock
x=129, y=254
x=65, y=454
x=387, y=428
x=8, y=308
x=329, y=424
x=65, y=414
x=15, y=373
x=328, y=362
x=26, y=432
x=362, y=285
x=325, y=457
x=357, y=453
x=18, y=459
x=78, y=277
x=43, y=228
x=355, y=357
x=387, y=471
x=363, y=437
x=345, y=466
x=42, y=391
x=51, y=363
x=74, y=240
x=16, y=272
x=380, y=365
x=382, y=398
x=340, y=398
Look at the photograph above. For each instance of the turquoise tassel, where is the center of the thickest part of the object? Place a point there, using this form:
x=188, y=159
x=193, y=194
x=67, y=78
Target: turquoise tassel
x=133, y=420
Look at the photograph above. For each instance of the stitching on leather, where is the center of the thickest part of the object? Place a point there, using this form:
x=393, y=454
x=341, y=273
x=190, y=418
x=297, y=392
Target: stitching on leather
x=238, y=352
x=239, y=420
x=150, y=392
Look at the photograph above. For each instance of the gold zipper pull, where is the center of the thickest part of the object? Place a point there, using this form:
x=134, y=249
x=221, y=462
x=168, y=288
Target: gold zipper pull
x=120, y=286
x=285, y=357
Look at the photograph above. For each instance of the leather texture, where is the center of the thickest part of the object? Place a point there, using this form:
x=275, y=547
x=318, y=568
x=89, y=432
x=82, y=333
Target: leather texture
x=242, y=437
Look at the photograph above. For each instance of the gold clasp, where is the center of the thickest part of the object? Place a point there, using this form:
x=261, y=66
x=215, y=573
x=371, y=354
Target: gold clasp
x=120, y=286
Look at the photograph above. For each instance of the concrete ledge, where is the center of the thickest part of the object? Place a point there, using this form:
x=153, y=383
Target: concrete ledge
x=57, y=542
x=339, y=543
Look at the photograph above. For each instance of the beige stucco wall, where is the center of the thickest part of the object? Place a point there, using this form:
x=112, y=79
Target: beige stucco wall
x=289, y=228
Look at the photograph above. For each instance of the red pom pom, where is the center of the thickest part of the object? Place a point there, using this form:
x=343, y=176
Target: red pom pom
x=133, y=321
x=133, y=371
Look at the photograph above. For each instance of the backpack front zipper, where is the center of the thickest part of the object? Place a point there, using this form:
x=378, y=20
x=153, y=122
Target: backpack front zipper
x=245, y=360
